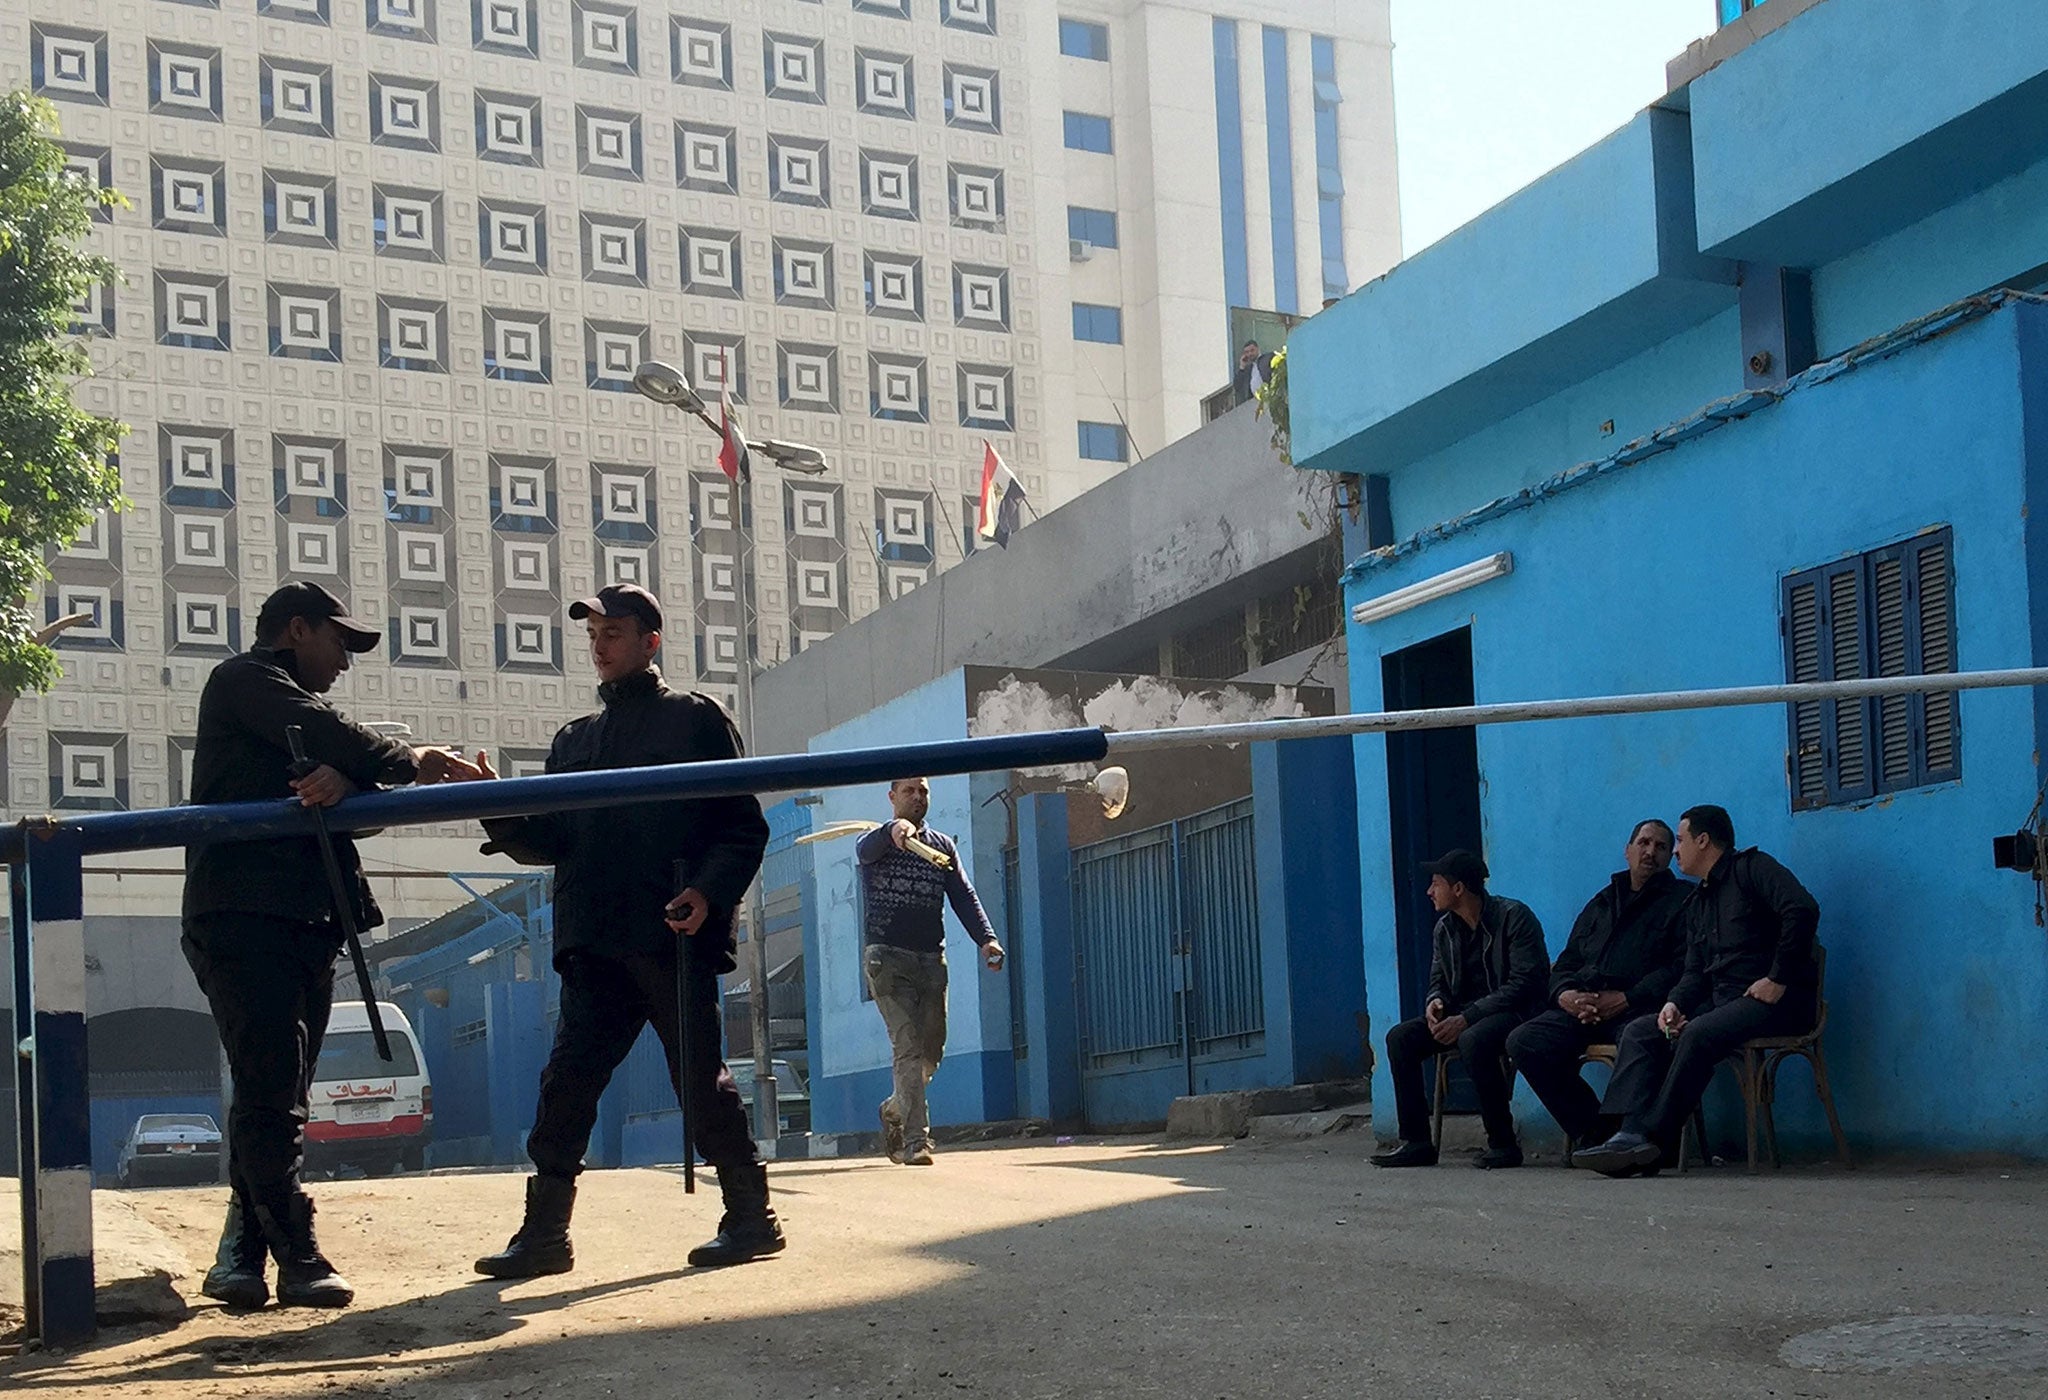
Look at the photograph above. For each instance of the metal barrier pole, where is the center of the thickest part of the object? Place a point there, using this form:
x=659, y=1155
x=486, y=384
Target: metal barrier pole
x=53, y=1104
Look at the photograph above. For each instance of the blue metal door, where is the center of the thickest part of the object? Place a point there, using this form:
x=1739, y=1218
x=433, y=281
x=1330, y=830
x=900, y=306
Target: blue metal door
x=1167, y=961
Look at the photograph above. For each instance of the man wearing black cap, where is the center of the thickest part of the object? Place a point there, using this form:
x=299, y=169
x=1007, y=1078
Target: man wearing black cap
x=628, y=880
x=1487, y=971
x=260, y=928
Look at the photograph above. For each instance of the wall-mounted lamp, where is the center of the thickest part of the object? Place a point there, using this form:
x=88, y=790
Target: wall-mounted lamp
x=1429, y=590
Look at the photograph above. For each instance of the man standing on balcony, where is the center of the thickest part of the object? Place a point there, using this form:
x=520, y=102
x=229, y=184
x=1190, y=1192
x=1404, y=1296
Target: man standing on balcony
x=908, y=874
x=630, y=878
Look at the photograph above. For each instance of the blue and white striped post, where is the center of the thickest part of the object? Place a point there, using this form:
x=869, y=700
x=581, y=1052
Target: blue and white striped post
x=53, y=1110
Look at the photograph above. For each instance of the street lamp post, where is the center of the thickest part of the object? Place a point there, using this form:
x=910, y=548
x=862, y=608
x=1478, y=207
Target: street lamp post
x=666, y=385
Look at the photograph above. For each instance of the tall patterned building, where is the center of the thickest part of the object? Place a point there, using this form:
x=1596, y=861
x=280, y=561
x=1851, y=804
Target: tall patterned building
x=388, y=266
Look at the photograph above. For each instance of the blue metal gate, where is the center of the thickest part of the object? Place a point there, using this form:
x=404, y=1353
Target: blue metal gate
x=1167, y=950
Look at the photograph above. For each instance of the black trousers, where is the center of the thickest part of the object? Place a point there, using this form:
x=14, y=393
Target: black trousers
x=1658, y=1082
x=1547, y=1051
x=1410, y=1047
x=270, y=983
x=605, y=1003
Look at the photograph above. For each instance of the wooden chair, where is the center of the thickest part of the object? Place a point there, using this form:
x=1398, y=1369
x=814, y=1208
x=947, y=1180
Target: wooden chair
x=1608, y=1055
x=1444, y=1057
x=1756, y=1067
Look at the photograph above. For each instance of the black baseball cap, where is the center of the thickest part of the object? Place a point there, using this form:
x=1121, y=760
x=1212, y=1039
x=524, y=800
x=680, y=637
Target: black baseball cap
x=620, y=600
x=1458, y=867
x=315, y=604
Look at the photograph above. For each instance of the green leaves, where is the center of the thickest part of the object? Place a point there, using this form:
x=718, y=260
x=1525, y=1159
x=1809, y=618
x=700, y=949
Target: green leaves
x=1273, y=404
x=57, y=469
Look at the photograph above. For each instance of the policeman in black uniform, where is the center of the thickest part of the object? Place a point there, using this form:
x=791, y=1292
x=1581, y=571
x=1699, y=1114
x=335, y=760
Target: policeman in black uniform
x=629, y=879
x=260, y=928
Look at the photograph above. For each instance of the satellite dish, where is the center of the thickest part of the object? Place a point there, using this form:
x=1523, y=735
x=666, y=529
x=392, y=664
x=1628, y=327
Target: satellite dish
x=1113, y=786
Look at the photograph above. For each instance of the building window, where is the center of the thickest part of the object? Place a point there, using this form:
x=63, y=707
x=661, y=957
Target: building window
x=1103, y=325
x=798, y=171
x=807, y=377
x=978, y=15
x=1890, y=612
x=1081, y=39
x=705, y=158
x=606, y=37
x=184, y=82
x=404, y=113
x=1329, y=168
x=611, y=354
x=981, y=296
x=406, y=223
x=974, y=98
x=1095, y=227
x=404, y=19
x=297, y=97
x=515, y=237
x=885, y=83
x=895, y=9
x=711, y=262
x=796, y=67
x=1104, y=442
x=1280, y=171
x=504, y=25
x=894, y=285
x=896, y=389
x=508, y=128
x=608, y=142
x=888, y=185
x=700, y=53
x=976, y=197
x=986, y=398
x=1237, y=276
x=189, y=198
x=1087, y=132
x=803, y=272
x=68, y=64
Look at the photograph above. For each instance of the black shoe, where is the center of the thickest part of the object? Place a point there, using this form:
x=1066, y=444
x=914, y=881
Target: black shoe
x=1624, y=1154
x=541, y=1244
x=236, y=1277
x=304, y=1277
x=1408, y=1154
x=749, y=1229
x=892, y=1130
x=1499, y=1158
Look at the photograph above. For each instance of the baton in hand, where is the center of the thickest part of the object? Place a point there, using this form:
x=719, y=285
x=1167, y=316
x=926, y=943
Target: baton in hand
x=683, y=1046
x=344, y=905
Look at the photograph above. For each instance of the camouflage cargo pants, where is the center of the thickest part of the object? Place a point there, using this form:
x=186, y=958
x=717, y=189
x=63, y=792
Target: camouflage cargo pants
x=910, y=991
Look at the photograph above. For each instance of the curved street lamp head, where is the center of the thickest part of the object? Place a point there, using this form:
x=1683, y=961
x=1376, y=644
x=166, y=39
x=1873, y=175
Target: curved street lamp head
x=798, y=457
x=664, y=383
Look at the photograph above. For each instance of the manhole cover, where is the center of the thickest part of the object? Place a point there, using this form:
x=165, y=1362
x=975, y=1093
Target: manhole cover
x=2006, y=1346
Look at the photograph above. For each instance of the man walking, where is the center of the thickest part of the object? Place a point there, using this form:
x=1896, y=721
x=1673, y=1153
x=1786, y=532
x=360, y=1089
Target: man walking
x=904, y=890
x=260, y=928
x=1486, y=974
x=1621, y=960
x=628, y=879
x=1749, y=971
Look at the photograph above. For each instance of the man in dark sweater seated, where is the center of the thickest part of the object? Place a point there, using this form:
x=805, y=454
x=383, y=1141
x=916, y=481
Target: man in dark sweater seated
x=1622, y=958
x=908, y=874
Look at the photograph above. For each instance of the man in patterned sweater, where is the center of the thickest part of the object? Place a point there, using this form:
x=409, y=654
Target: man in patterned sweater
x=908, y=873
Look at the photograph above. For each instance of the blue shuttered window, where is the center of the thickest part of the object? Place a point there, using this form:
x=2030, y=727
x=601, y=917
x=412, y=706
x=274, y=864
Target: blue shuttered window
x=1890, y=612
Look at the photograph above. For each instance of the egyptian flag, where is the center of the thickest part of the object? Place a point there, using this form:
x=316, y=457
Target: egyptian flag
x=1002, y=499
x=732, y=453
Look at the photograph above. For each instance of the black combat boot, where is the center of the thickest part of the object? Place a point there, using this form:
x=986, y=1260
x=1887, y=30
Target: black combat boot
x=749, y=1229
x=236, y=1277
x=542, y=1244
x=304, y=1277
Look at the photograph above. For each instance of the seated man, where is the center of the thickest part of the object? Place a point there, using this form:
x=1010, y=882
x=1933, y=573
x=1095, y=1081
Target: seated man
x=1623, y=957
x=1749, y=971
x=1486, y=973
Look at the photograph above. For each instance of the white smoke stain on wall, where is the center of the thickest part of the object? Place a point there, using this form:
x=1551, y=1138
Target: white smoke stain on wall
x=1019, y=706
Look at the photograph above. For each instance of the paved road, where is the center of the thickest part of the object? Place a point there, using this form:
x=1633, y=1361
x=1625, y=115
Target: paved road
x=1131, y=1269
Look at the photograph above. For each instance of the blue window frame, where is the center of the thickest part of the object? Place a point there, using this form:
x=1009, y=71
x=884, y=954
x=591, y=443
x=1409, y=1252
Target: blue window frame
x=1104, y=442
x=1081, y=39
x=1889, y=612
x=1237, y=268
x=1087, y=132
x=1096, y=226
x=1280, y=173
x=1102, y=324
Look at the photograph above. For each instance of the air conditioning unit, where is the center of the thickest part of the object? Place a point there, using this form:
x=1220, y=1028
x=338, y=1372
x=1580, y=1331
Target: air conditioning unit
x=1079, y=250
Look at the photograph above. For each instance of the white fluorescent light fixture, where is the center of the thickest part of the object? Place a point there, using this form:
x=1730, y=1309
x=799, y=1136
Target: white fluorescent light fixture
x=1430, y=589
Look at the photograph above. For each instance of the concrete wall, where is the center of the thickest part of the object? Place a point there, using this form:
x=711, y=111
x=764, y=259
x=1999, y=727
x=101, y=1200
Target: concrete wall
x=1923, y=937
x=1206, y=519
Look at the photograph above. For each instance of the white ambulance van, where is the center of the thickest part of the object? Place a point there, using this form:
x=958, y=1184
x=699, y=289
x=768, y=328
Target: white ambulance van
x=370, y=1113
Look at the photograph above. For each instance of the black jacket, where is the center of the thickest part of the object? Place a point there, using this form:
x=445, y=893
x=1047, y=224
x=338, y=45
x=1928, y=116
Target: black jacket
x=615, y=867
x=241, y=755
x=1749, y=918
x=1511, y=947
x=1626, y=940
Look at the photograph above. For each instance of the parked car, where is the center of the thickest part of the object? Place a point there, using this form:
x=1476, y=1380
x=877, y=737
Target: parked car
x=170, y=1149
x=367, y=1112
x=792, y=1097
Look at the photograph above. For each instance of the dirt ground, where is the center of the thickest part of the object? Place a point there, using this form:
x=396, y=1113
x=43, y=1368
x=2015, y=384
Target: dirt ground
x=1129, y=1269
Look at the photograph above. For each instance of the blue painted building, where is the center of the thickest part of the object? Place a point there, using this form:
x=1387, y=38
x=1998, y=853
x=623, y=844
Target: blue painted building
x=1749, y=392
